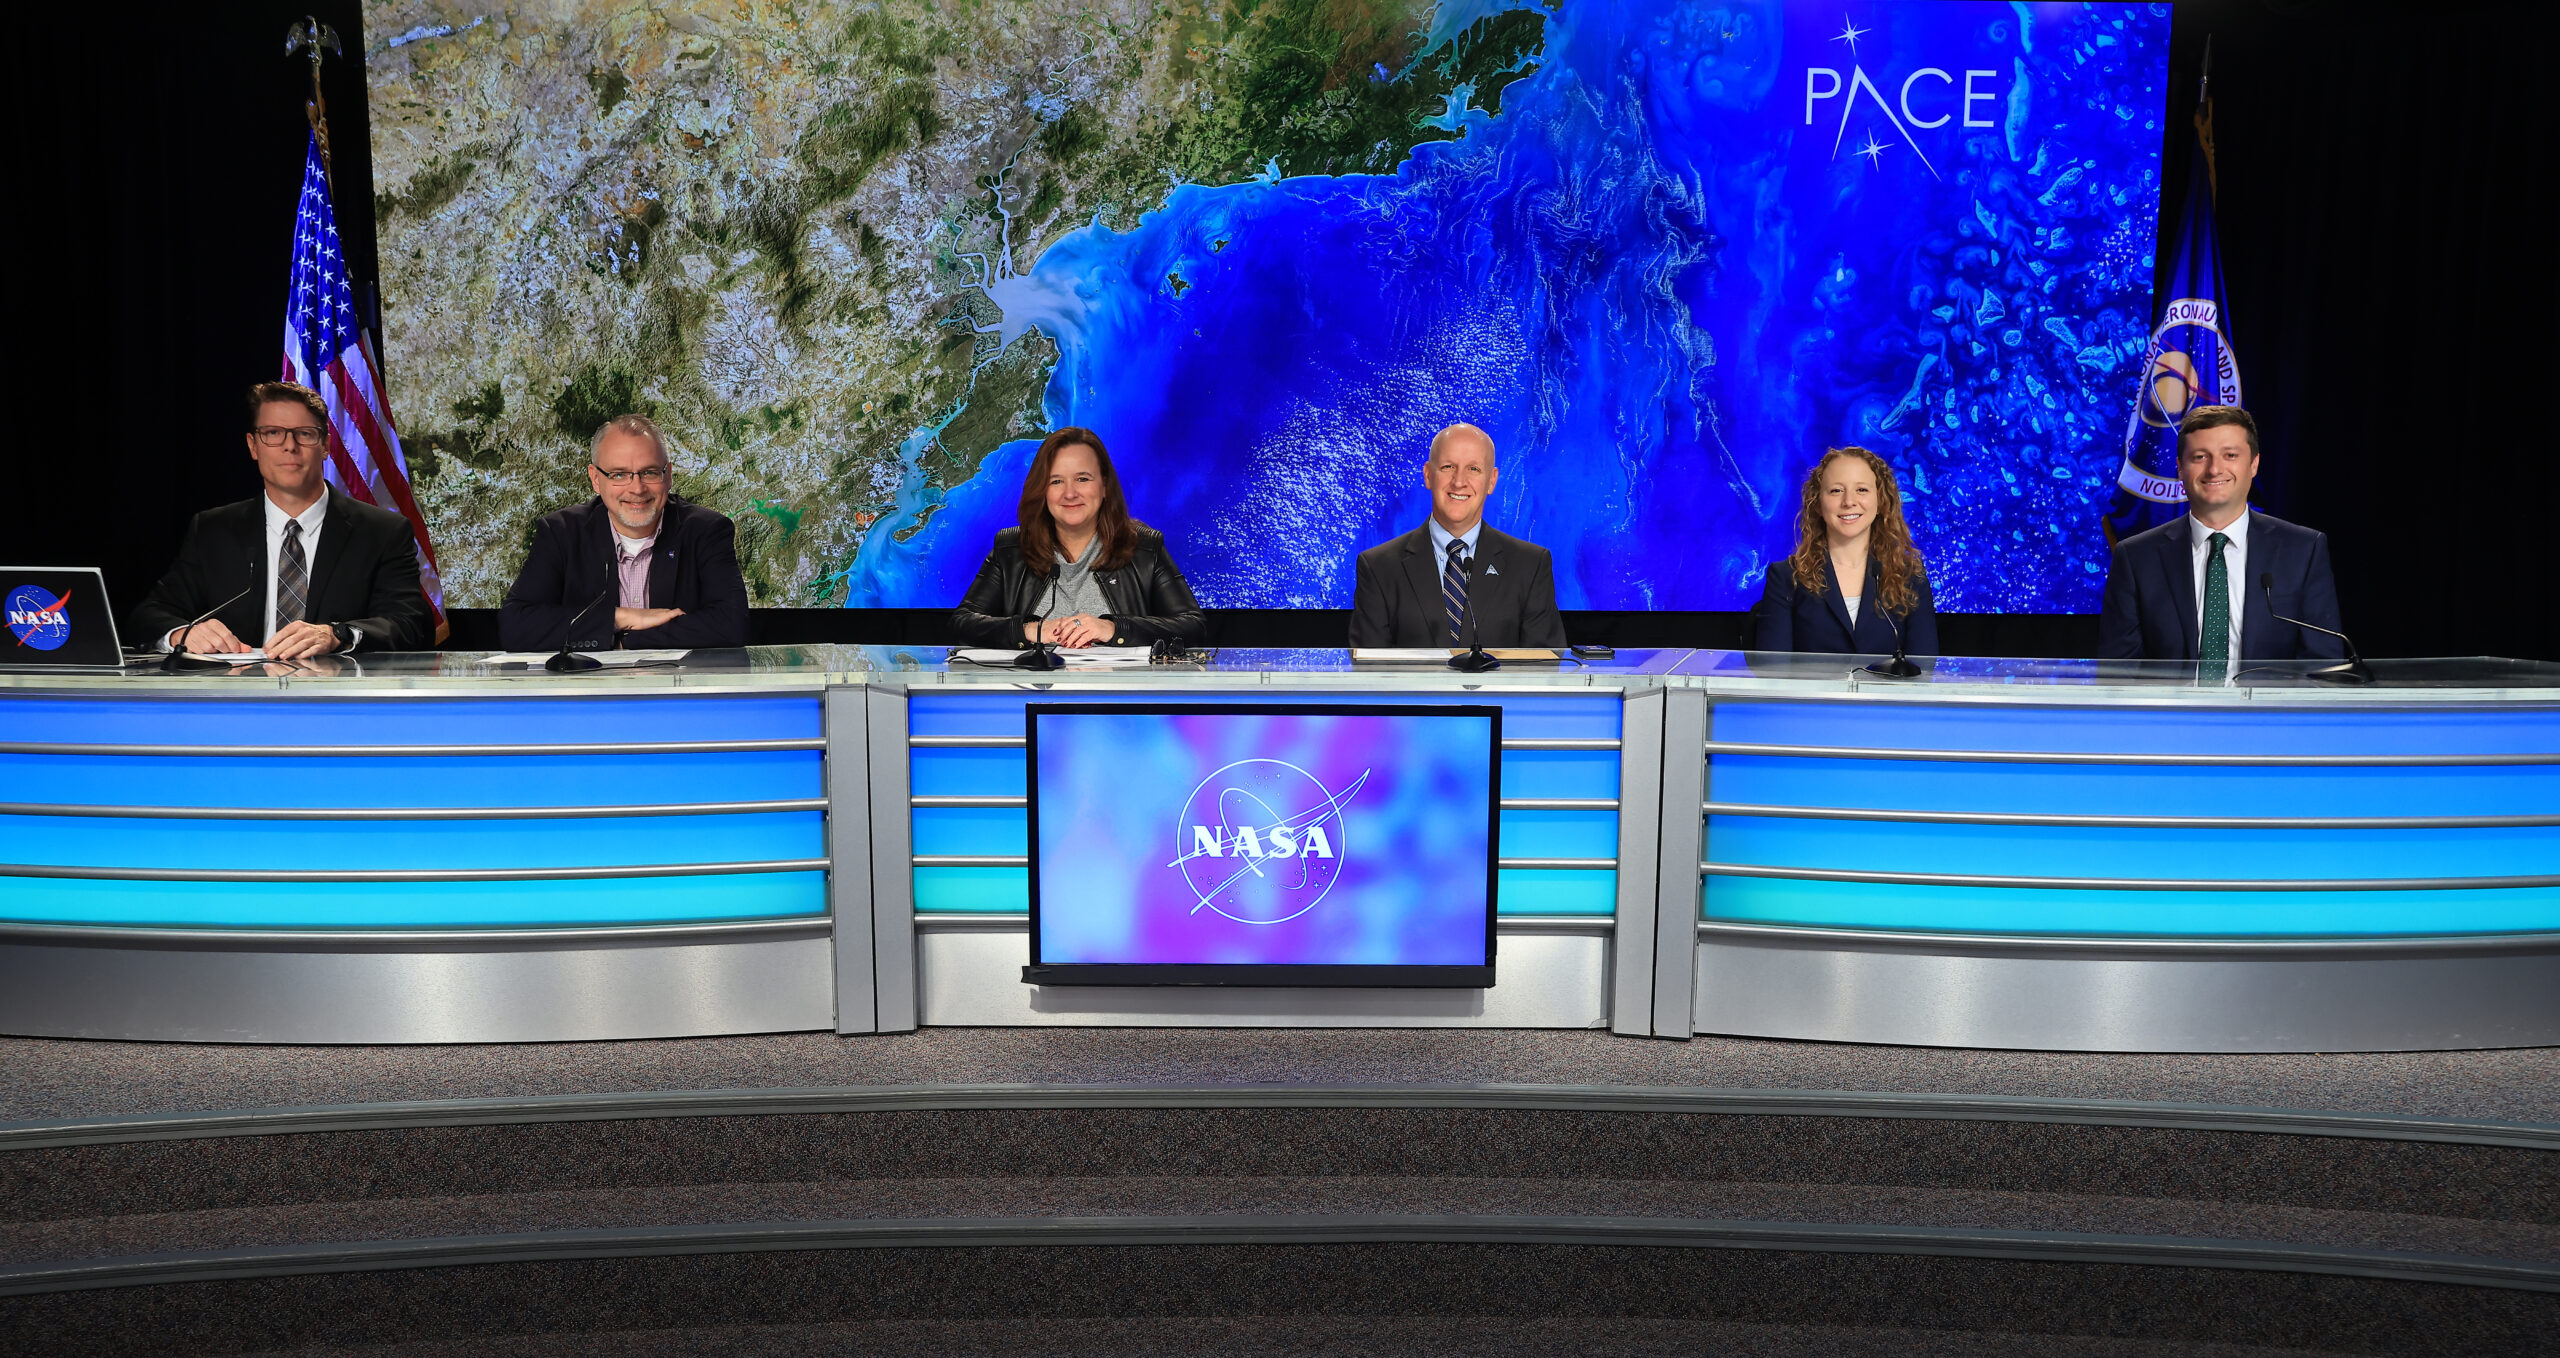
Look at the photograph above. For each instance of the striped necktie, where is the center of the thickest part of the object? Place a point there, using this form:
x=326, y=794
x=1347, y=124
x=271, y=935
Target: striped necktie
x=1453, y=588
x=293, y=577
x=2213, y=648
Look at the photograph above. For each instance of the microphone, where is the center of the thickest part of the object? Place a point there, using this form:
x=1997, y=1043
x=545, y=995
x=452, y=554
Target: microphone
x=1900, y=667
x=178, y=653
x=569, y=661
x=2355, y=671
x=1475, y=660
x=1043, y=654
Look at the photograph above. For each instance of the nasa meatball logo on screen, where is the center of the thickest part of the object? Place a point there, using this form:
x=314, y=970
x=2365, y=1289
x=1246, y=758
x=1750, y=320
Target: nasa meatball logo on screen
x=1262, y=841
x=37, y=619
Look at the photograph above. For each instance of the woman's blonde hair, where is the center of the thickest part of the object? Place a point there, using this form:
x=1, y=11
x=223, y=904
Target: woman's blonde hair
x=1888, y=539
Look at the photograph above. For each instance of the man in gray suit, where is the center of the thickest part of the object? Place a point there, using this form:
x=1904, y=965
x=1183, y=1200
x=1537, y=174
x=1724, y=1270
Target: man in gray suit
x=1416, y=590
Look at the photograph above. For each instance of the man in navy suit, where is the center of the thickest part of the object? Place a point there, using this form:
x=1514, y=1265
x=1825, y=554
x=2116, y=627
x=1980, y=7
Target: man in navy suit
x=1456, y=580
x=2198, y=588
x=634, y=566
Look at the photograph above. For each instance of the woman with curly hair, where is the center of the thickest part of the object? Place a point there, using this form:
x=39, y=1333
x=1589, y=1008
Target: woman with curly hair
x=1851, y=529
x=1077, y=571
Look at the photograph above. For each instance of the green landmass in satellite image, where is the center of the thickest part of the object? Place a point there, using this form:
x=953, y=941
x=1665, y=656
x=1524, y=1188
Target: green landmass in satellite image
x=768, y=226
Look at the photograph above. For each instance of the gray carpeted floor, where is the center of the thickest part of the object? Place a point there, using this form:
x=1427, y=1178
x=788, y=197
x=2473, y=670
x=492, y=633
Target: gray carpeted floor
x=53, y=1079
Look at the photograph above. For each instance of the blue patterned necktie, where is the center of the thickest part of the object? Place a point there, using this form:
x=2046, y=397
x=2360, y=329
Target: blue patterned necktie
x=1453, y=588
x=293, y=578
x=2213, y=651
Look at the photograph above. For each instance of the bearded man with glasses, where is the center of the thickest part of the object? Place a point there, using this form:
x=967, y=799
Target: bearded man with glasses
x=298, y=570
x=637, y=565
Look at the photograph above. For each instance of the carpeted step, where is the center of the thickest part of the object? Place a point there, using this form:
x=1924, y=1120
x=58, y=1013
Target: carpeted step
x=273, y=1158
x=60, y=1249
x=1648, y=1274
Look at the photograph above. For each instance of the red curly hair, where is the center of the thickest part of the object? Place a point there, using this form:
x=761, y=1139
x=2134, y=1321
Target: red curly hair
x=1888, y=541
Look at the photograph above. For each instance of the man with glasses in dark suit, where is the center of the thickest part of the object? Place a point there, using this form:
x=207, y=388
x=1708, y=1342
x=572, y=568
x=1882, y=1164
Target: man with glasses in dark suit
x=302, y=568
x=637, y=565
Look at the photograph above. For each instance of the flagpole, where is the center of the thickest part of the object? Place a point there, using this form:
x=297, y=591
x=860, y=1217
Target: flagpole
x=2203, y=119
x=310, y=35
x=381, y=436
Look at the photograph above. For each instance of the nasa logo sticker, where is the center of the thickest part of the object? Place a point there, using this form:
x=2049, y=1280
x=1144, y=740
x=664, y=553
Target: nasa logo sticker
x=1262, y=841
x=37, y=619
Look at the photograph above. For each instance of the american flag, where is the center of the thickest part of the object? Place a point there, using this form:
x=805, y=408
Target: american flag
x=327, y=350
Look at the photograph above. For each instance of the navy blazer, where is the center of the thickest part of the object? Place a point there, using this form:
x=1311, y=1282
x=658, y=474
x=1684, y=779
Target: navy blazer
x=2150, y=610
x=1791, y=620
x=693, y=566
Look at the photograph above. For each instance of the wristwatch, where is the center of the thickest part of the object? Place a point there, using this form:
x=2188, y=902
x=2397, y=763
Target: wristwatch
x=346, y=635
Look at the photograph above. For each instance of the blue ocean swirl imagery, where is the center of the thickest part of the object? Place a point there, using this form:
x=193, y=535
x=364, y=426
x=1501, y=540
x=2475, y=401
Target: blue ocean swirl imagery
x=1694, y=246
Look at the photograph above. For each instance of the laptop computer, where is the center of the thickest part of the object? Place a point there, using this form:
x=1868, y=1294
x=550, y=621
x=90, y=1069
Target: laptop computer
x=57, y=618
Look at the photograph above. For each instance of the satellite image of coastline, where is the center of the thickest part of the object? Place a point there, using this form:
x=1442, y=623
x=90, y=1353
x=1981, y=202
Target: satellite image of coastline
x=857, y=258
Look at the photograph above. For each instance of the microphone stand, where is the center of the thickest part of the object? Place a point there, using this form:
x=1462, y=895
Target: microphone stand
x=2354, y=671
x=1043, y=654
x=177, y=657
x=1475, y=660
x=1900, y=667
x=569, y=661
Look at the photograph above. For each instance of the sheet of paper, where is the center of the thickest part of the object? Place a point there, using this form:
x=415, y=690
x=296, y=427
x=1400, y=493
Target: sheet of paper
x=228, y=658
x=1106, y=657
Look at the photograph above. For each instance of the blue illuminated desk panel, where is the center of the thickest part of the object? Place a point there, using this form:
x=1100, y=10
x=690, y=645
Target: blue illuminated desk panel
x=2036, y=854
x=2017, y=861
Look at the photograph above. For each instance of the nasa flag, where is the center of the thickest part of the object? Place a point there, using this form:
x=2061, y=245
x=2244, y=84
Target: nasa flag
x=2190, y=363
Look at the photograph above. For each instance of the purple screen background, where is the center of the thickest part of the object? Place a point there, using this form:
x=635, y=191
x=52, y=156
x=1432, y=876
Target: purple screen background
x=1410, y=884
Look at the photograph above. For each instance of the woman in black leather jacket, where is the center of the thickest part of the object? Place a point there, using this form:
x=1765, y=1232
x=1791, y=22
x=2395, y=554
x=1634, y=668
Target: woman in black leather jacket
x=1078, y=571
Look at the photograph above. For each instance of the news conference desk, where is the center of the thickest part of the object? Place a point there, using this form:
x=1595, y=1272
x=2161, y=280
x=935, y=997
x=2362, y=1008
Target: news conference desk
x=427, y=848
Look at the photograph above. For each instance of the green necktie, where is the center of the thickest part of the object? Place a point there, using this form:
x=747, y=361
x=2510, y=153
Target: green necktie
x=2214, y=646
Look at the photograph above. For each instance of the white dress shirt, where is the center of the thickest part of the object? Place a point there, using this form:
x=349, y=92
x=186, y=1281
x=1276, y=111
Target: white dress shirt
x=2235, y=565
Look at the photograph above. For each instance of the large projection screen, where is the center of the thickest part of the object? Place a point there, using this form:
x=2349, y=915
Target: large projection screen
x=856, y=258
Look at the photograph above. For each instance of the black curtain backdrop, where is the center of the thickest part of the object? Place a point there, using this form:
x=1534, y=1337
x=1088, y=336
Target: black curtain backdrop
x=2387, y=228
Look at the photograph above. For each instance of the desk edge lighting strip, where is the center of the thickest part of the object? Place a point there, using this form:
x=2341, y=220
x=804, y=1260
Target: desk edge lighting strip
x=18, y=931
x=1794, y=935
x=2126, y=883
x=447, y=751
x=409, y=874
x=2130, y=822
x=412, y=812
x=1736, y=747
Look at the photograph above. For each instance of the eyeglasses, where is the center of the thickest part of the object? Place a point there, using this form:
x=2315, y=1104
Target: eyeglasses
x=649, y=476
x=274, y=435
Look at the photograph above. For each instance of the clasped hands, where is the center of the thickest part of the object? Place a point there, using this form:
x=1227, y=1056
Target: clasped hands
x=1075, y=633
x=642, y=619
x=292, y=641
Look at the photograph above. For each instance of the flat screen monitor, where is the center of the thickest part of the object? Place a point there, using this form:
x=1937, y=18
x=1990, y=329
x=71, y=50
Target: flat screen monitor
x=1279, y=844
x=58, y=619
